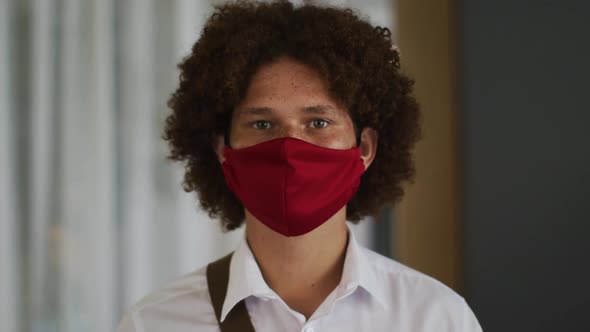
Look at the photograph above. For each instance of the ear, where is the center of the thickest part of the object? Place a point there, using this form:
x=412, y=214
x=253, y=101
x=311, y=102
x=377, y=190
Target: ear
x=218, y=148
x=368, y=146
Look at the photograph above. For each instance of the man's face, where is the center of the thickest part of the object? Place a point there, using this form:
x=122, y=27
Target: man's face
x=289, y=99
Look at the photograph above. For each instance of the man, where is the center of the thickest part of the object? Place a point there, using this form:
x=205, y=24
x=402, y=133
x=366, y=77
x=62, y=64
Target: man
x=295, y=119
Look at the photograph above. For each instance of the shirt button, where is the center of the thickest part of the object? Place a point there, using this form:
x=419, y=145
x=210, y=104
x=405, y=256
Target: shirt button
x=308, y=329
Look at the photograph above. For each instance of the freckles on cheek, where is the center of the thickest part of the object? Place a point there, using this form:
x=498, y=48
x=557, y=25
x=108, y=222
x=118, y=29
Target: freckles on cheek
x=338, y=140
x=349, y=137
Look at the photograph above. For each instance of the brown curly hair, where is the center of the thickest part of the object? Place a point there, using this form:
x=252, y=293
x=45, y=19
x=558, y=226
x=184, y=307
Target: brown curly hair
x=356, y=60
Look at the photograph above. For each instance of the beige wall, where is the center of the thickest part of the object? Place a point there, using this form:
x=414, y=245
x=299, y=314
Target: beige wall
x=427, y=229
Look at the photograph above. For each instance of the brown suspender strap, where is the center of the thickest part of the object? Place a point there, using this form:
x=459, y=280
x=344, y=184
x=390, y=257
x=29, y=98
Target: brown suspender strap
x=237, y=320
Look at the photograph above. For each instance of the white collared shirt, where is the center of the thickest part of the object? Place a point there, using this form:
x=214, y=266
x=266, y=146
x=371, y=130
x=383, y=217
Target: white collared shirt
x=375, y=294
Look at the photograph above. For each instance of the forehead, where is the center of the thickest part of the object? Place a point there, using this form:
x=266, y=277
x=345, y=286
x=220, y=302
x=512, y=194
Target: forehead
x=286, y=85
x=285, y=70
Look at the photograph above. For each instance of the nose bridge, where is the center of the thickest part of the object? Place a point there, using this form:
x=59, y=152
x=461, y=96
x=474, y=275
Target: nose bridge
x=291, y=129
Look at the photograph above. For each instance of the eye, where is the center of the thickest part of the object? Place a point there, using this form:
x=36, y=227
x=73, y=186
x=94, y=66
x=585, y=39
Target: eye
x=261, y=124
x=319, y=123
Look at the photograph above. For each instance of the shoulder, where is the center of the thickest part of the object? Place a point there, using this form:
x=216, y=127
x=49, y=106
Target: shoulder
x=399, y=275
x=417, y=296
x=181, y=303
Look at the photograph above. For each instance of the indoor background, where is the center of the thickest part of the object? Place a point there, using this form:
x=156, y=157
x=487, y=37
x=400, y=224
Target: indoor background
x=92, y=215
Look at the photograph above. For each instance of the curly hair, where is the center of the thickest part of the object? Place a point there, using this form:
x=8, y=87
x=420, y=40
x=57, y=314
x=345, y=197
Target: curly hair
x=357, y=61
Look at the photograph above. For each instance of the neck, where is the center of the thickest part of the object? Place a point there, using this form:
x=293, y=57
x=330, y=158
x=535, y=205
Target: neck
x=302, y=270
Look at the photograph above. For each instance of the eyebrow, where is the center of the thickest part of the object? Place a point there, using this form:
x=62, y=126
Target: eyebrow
x=314, y=109
x=320, y=109
x=255, y=111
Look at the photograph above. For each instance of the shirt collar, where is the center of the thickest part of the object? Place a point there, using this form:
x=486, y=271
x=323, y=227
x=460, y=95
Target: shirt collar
x=245, y=277
x=358, y=271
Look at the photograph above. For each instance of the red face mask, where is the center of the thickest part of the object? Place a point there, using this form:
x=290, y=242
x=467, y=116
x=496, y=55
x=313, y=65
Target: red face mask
x=290, y=185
